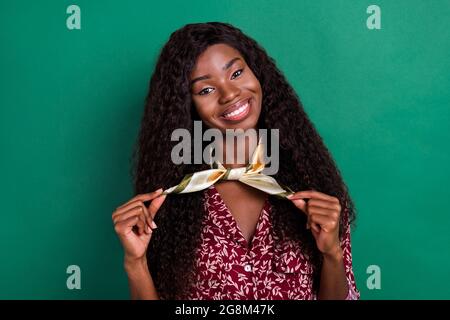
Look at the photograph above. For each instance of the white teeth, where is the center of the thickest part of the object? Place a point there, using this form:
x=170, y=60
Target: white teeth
x=236, y=112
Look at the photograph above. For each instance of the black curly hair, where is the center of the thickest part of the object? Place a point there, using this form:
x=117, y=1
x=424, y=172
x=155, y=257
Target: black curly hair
x=305, y=162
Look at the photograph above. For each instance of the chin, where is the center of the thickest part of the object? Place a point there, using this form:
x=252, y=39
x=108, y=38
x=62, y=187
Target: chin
x=244, y=126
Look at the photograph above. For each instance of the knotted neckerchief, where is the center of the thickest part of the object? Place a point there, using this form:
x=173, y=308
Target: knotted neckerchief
x=250, y=175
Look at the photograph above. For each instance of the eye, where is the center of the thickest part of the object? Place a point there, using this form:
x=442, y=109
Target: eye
x=238, y=71
x=202, y=93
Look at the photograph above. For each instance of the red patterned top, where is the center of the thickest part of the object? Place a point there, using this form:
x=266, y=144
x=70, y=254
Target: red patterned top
x=226, y=269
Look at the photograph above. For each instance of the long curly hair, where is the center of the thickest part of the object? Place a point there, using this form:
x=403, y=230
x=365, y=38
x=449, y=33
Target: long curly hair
x=305, y=162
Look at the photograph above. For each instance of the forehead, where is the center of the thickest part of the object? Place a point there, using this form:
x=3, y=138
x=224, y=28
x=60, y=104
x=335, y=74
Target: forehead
x=214, y=58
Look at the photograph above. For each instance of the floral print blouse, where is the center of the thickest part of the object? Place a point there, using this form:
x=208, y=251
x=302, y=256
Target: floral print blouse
x=228, y=269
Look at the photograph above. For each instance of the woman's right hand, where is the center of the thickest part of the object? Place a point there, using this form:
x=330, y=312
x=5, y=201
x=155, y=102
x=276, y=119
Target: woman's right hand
x=133, y=223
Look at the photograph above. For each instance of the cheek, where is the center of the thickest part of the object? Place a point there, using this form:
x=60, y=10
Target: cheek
x=204, y=110
x=255, y=85
x=256, y=88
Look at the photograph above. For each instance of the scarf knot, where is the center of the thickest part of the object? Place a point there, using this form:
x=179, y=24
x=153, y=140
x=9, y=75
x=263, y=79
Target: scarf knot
x=250, y=175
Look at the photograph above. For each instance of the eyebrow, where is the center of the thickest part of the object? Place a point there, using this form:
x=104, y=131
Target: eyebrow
x=225, y=67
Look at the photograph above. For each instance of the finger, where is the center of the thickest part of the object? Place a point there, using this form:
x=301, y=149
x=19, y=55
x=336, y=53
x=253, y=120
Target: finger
x=141, y=227
x=147, y=222
x=125, y=208
x=312, y=194
x=315, y=229
x=143, y=218
x=309, y=223
x=142, y=197
x=155, y=205
x=324, y=204
x=130, y=212
x=301, y=204
x=131, y=206
x=124, y=227
x=332, y=213
x=326, y=224
x=139, y=210
x=148, y=219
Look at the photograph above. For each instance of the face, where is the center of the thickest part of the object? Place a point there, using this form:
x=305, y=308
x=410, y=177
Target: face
x=226, y=93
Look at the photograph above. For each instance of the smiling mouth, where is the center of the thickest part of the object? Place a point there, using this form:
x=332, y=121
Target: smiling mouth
x=238, y=113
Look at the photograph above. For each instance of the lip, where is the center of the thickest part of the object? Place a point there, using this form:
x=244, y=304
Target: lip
x=235, y=107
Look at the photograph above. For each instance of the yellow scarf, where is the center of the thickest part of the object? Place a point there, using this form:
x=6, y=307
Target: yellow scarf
x=250, y=175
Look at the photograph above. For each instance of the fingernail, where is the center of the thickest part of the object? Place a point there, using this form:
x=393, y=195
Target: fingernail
x=154, y=224
x=290, y=196
x=148, y=229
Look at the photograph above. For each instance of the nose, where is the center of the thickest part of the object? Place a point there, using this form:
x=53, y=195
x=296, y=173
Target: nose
x=228, y=92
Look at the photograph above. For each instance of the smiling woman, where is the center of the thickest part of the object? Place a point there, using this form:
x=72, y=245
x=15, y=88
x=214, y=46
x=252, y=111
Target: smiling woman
x=232, y=241
x=224, y=76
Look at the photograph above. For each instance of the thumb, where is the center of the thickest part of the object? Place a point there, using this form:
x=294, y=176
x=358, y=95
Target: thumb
x=156, y=204
x=299, y=203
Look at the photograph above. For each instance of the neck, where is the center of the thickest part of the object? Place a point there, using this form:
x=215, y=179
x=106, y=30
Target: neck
x=236, y=155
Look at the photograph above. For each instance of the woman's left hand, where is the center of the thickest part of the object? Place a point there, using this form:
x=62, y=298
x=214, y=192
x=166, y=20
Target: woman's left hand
x=323, y=212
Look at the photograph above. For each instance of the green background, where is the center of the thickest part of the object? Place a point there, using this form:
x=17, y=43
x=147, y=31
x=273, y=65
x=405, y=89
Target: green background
x=71, y=102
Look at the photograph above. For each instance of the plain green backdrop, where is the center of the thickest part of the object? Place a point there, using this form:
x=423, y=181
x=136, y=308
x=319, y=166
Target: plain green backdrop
x=71, y=102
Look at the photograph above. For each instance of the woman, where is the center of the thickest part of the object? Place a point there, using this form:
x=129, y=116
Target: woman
x=232, y=241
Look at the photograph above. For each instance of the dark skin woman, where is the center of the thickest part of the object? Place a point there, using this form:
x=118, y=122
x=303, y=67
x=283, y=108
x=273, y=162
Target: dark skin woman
x=205, y=72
